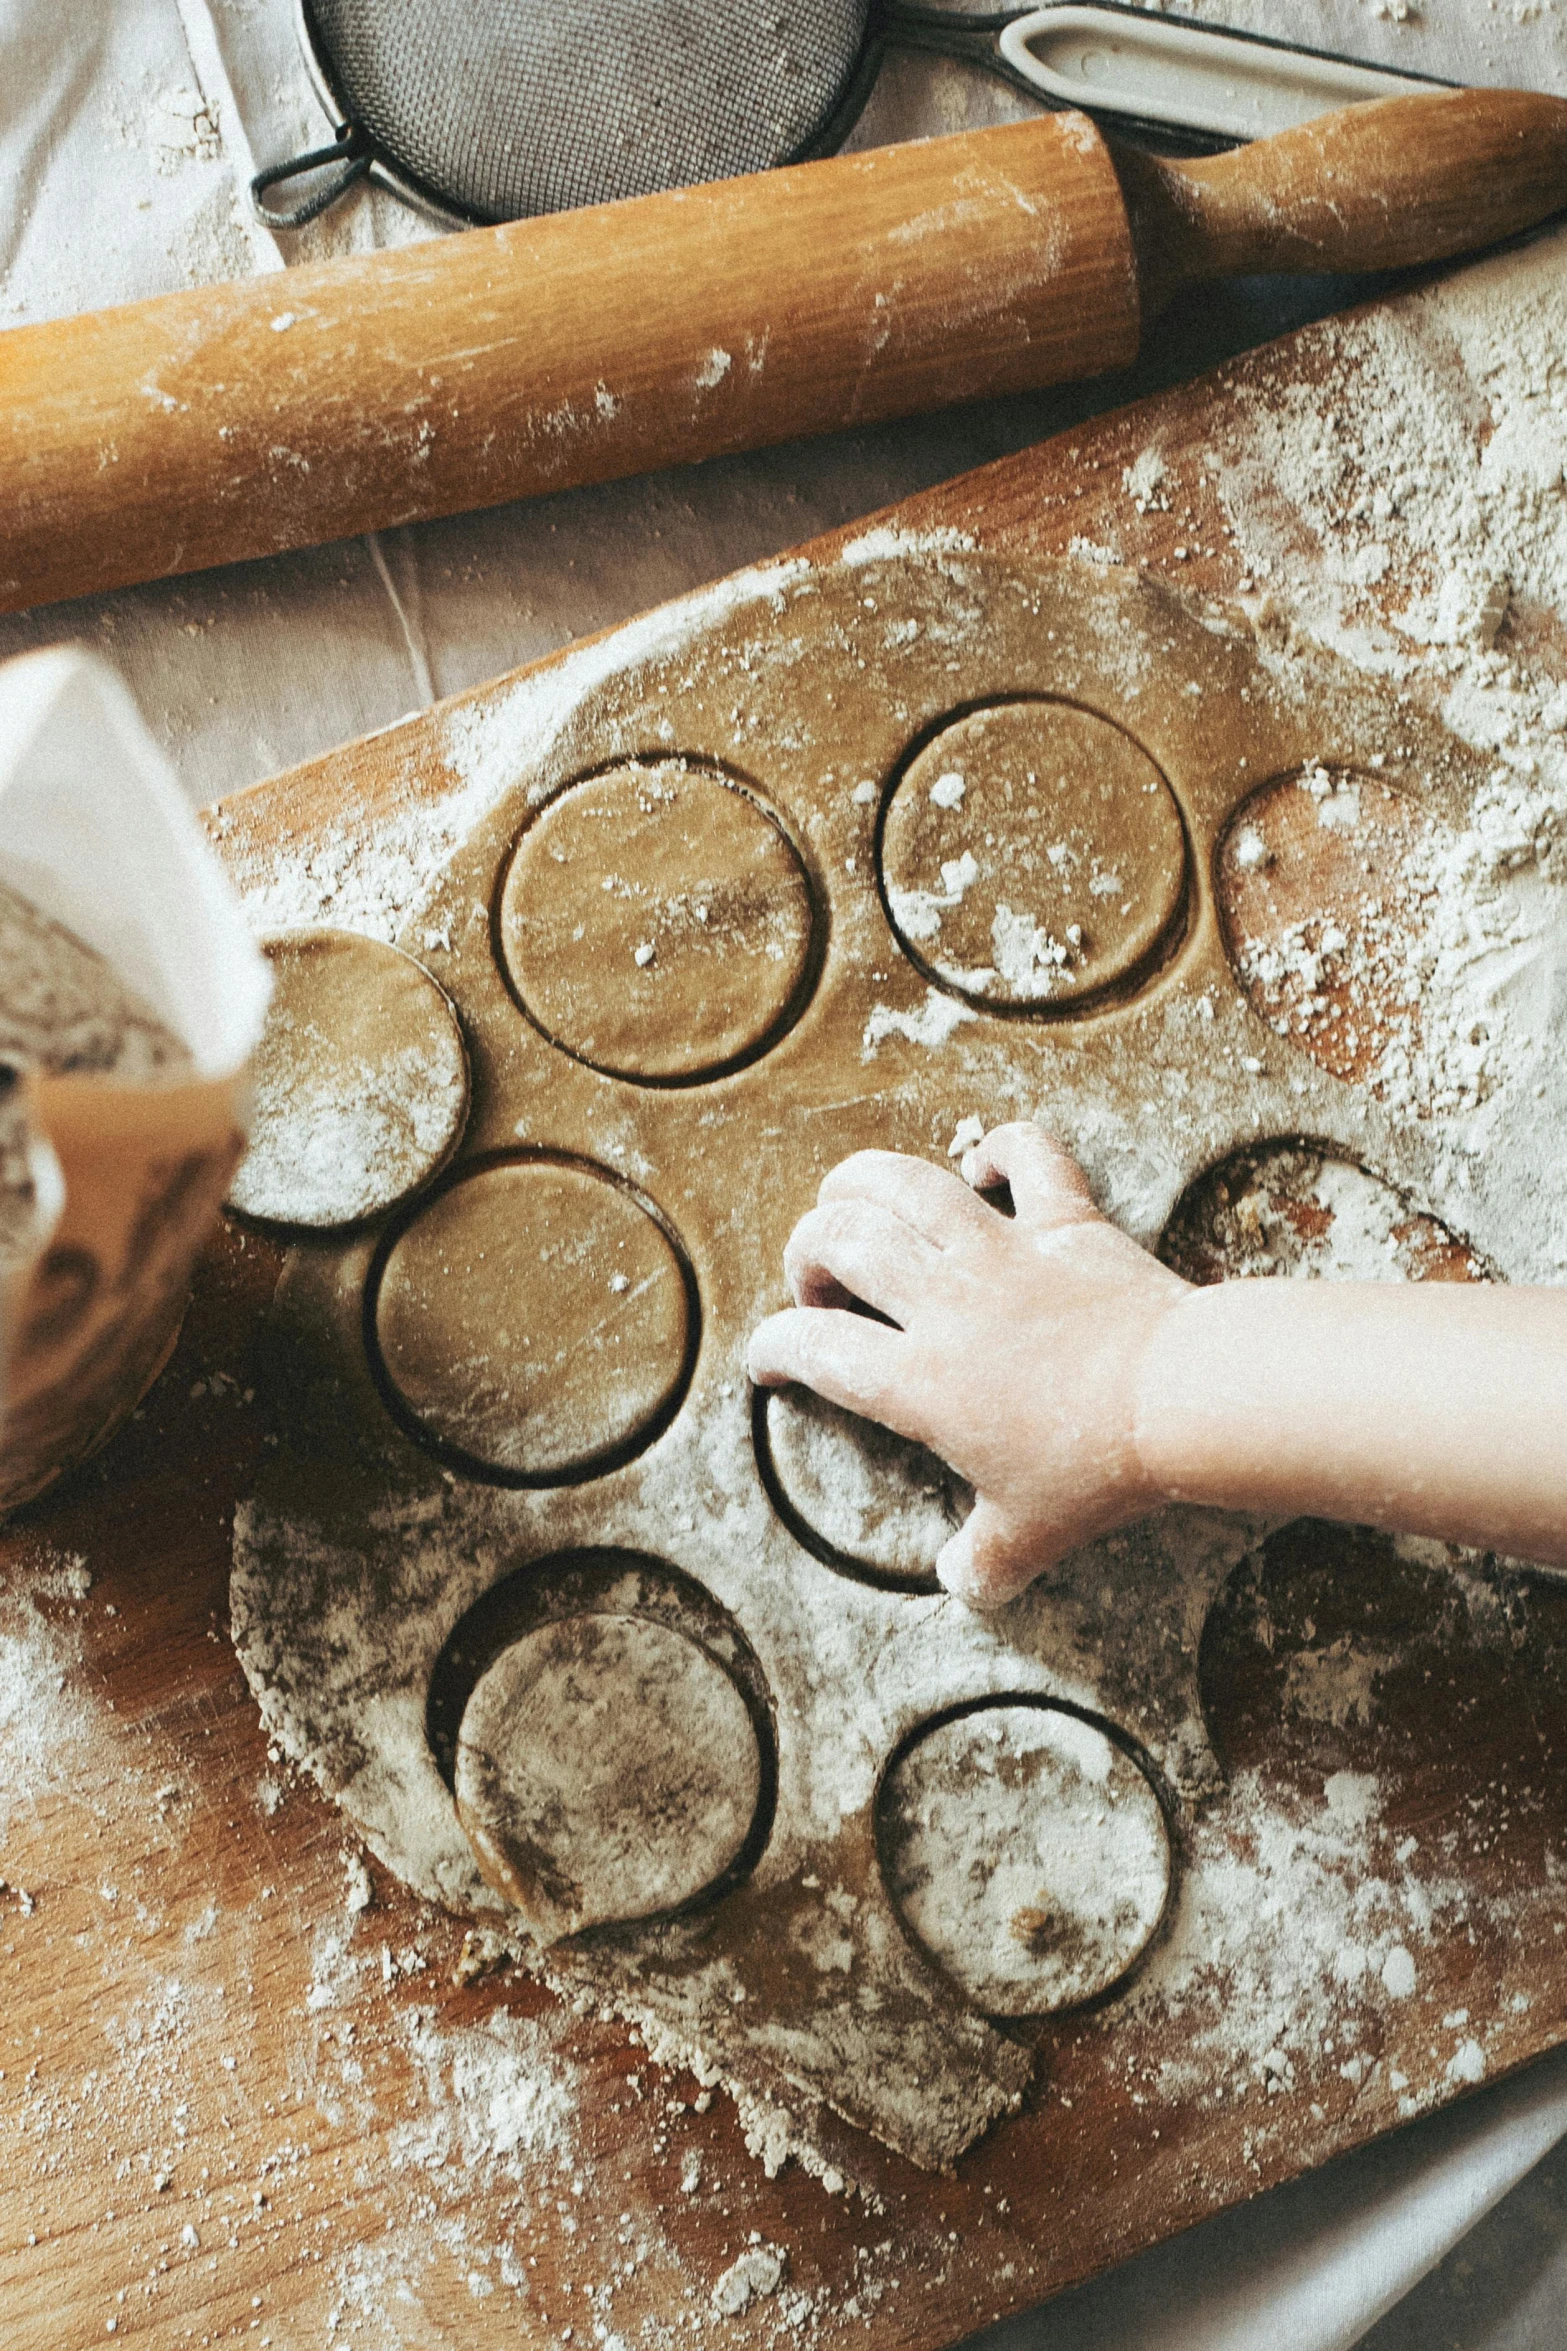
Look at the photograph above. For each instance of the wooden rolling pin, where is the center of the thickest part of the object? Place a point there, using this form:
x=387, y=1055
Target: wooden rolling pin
x=202, y=427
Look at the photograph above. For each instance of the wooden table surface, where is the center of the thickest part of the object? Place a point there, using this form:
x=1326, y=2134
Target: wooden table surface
x=242, y=2097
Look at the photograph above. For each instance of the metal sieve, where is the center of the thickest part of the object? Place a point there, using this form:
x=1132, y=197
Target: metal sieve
x=500, y=109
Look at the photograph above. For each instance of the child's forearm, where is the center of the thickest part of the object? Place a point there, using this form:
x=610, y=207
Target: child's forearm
x=1439, y=1410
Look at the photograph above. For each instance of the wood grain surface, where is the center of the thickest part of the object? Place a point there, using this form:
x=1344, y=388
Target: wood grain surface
x=237, y=2080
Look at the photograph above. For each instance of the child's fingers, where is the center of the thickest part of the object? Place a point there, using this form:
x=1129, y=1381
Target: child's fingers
x=857, y=1248
x=850, y=1361
x=982, y=1564
x=932, y=1199
x=1047, y=1185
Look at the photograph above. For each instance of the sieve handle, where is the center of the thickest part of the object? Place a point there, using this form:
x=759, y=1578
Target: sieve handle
x=335, y=170
x=391, y=387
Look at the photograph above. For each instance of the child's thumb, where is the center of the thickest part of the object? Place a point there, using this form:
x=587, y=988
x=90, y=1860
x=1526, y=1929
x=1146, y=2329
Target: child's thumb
x=983, y=1563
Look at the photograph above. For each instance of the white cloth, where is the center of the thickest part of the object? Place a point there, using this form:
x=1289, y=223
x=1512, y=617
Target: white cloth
x=127, y=133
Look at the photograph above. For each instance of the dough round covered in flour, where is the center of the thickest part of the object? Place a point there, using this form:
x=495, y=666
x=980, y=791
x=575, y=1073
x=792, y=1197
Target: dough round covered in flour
x=860, y=1497
x=361, y=1083
x=1027, y=1854
x=1033, y=856
x=657, y=922
x=607, y=1769
x=534, y=1321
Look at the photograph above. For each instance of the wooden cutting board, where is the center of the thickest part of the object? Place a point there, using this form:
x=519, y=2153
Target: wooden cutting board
x=242, y=2095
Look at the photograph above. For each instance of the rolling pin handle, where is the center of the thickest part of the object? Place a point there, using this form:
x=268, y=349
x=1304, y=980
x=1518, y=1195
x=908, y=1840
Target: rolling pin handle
x=1399, y=183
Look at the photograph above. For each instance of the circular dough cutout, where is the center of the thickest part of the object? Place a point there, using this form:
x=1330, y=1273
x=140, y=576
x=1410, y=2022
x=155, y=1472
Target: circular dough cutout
x=657, y=923
x=1026, y=1853
x=1033, y=856
x=361, y=1083
x=859, y=1497
x=1297, y=1208
x=607, y=1770
x=1329, y=892
x=534, y=1321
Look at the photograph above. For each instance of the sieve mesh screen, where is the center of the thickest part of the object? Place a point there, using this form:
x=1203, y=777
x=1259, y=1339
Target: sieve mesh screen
x=506, y=108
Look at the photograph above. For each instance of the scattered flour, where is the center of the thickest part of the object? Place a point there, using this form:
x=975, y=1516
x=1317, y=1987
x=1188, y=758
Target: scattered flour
x=499, y=2093
x=44, y=1719
x=1144, y=482
x=1428, y=982
x=1027, y=957
x=1443, y=446
x=1291, y=1939
x=931, y=1025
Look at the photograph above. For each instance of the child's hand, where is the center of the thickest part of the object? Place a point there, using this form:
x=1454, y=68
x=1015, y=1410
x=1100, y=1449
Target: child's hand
x=1076, y=1384
x=1017, y=1348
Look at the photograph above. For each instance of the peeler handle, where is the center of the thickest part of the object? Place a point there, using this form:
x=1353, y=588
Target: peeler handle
x=1184, y=75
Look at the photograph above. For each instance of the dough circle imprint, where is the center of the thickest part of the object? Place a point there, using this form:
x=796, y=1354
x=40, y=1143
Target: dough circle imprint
x=866, y=1501
x=361, y=1083
x=1027, y=1854
x=534, y=1321
x=606, y=1770
x=657, y=923
x=1301, y=1208
x=1033, y=856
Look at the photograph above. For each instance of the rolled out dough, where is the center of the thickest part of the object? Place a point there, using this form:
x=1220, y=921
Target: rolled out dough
x=889, y=1904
